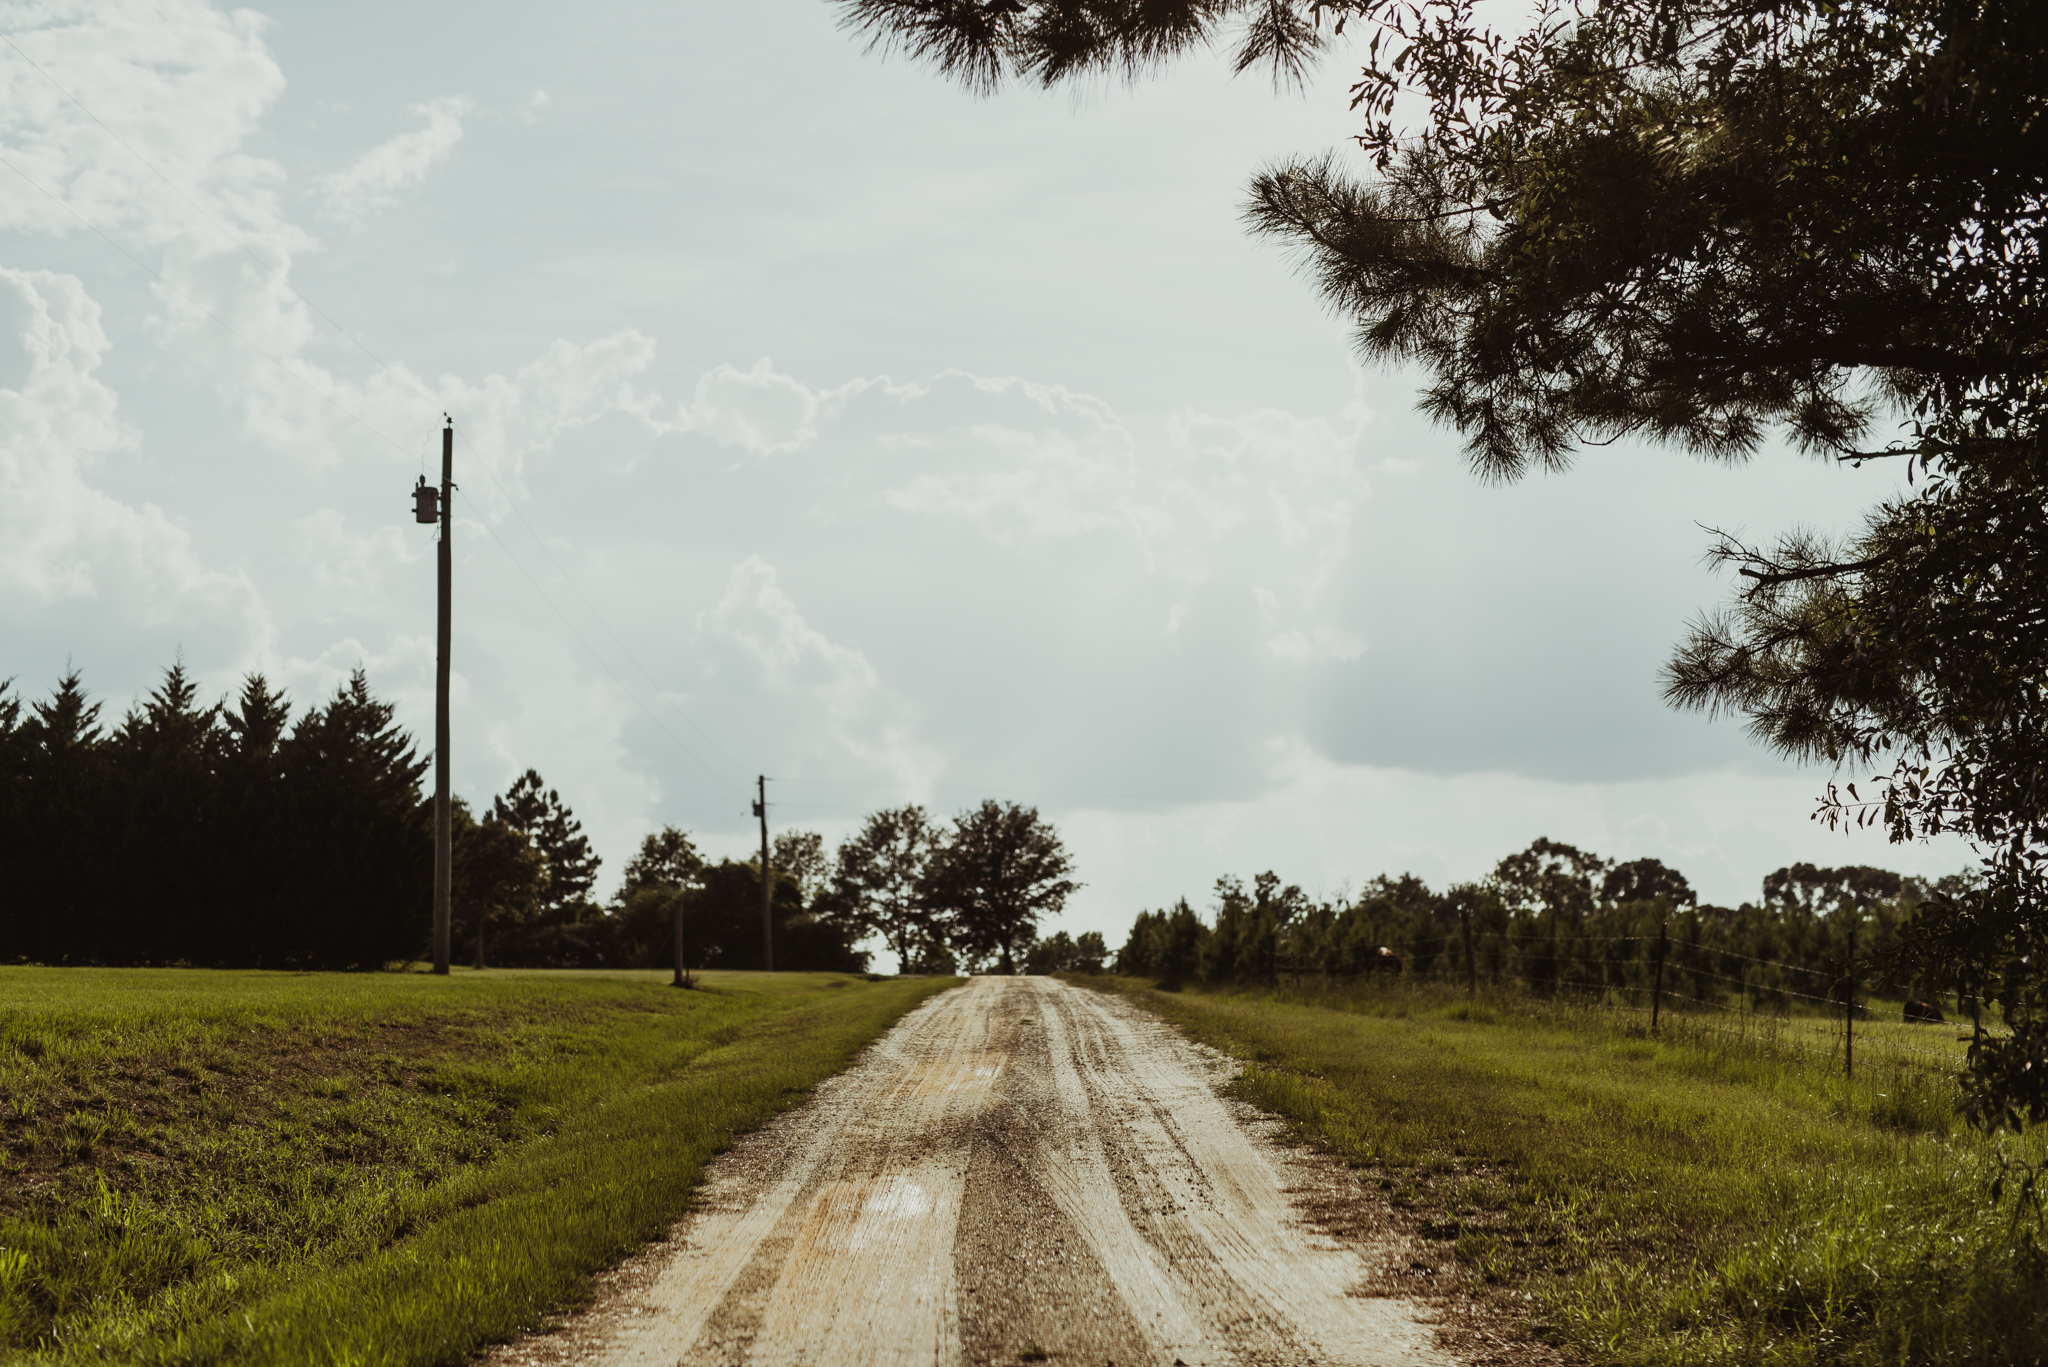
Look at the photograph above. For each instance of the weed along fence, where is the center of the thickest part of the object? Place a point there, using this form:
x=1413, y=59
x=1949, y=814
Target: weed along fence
x=1658, y=979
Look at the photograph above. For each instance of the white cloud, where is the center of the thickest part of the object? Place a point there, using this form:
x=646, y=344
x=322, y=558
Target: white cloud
x=1328, y=825
x=179, y=82
x=357, y=564
x=375, y=179
x=1260, y=503
x=60, y=538
x=848, y=712
x=760, y=410
x=533, y=106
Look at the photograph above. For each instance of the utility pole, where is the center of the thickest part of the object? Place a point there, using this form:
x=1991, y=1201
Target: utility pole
x=431, y=505
x=767, y=921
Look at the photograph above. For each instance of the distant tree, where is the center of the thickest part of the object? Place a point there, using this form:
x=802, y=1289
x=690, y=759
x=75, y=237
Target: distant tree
x=497, y=881
x=1165, y=945
x=653, y=901
x=1244, y=945
x=999, y=870
x=160, y=810
x=1819, y=892
x=667, y=859
x=536, y=810
x=66, y=893
x=251, y=877
x=1549, y=876
x=1645, y=880
x=876, y=882
x=724, y=912
x=1061, y=953
x=801, y=855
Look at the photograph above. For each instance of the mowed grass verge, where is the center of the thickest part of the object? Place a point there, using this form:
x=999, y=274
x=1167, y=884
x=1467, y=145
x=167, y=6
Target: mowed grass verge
x=212, y=1167
x=1683, y=1199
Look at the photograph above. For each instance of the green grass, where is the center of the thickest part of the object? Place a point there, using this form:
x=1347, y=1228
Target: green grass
x=211, y=1167
x=1692, y=1198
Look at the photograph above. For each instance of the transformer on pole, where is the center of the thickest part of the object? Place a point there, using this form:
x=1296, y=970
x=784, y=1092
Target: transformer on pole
x=436, y=506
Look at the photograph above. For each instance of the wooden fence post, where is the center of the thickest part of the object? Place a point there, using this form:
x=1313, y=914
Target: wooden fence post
x=1471, y=969
x=1849, y=1008
x=1657, y=992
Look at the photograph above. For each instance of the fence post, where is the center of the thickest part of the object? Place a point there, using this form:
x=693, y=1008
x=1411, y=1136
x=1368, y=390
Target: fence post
x=1849, y=1008
x=1471, y=970
x=1657, y=992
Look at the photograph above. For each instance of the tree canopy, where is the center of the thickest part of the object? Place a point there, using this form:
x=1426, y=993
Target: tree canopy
x=1000, y=869
x=877, y=880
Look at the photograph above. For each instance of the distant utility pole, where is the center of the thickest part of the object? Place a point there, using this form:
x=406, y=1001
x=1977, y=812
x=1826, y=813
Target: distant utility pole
x=431, y=505
x=767, y=921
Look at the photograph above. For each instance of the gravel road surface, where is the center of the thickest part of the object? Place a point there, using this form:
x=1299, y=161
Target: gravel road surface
x=1020, y=1171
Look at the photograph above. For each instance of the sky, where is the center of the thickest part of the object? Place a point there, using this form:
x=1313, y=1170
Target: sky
x=817, y=419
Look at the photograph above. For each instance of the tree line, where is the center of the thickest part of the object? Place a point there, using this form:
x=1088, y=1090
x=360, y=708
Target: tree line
x=231, y=835
x=965, y=894
x=1553, y=918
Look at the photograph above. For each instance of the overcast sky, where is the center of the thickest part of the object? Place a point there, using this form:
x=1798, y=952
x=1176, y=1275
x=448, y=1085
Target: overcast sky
x=819, y=420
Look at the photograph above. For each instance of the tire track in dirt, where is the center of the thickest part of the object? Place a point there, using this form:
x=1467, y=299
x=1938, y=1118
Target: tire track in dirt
x=1018, y=1167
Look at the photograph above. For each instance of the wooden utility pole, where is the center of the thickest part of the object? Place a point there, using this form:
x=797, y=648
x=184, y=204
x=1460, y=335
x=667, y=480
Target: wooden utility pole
x=436, y=507
x=767, y=884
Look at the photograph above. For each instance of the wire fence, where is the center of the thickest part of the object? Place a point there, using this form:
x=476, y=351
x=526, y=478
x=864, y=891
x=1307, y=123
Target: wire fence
x=1648, y=978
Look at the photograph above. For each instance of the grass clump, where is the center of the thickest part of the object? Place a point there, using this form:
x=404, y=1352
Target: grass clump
x=1687, y=1198
x=212, y=1167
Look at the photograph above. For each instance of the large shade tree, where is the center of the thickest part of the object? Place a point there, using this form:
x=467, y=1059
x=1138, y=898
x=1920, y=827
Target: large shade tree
x=875, y=885
x=998, y=872
x=1716, y=224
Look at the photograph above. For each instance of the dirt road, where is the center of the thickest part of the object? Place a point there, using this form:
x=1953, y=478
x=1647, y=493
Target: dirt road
x=1019, y=1168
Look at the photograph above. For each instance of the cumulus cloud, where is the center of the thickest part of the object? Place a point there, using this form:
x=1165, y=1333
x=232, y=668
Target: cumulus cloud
x=60, y=538
x=135, y=63
x=1260, y=503
x=759, y=410
x=339, y=559
x=375, y=179
x=849, y=713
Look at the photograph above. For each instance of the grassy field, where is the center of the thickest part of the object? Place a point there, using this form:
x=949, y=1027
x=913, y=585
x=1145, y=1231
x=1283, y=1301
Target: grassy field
x=1699, y=1197
x=202, y=1167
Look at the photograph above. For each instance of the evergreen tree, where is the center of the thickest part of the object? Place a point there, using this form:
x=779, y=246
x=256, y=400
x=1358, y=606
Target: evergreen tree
x=357, y=835
x=209, y=834
x=537, y=811
x=659, y=878
x=495, y=888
